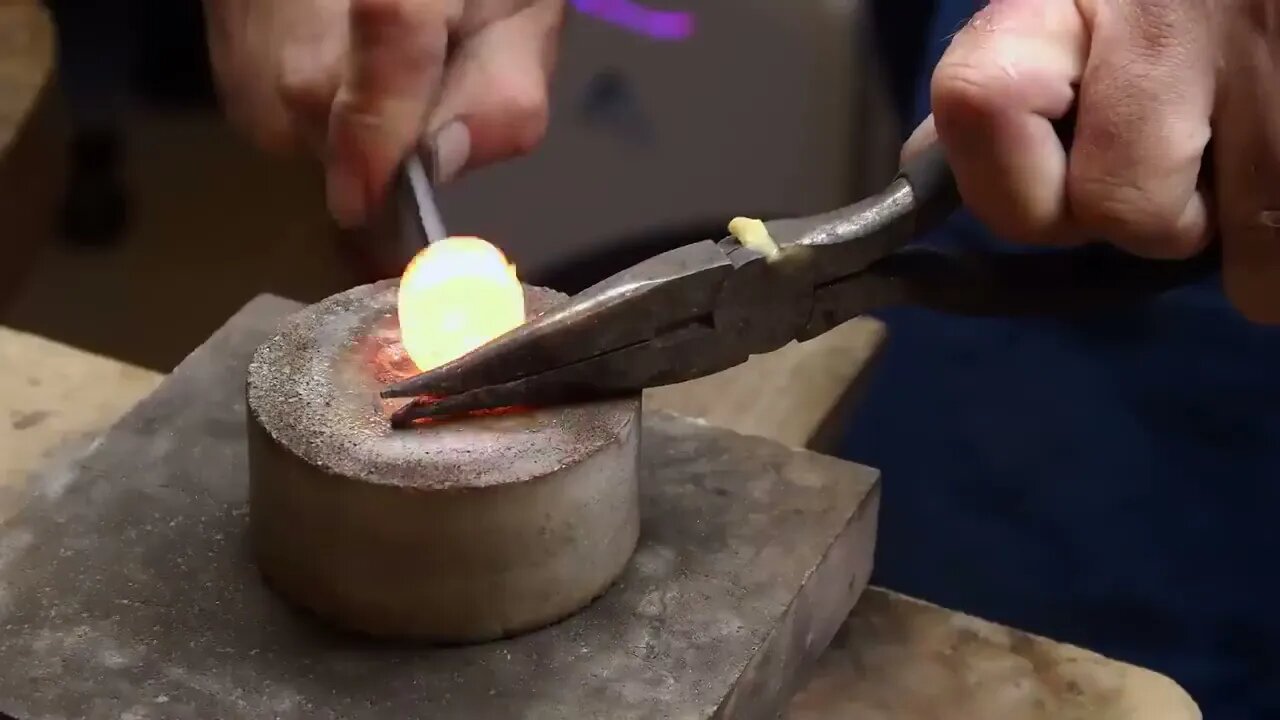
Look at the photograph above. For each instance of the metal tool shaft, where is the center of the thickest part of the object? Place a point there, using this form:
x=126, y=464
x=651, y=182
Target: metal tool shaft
x=422, y=199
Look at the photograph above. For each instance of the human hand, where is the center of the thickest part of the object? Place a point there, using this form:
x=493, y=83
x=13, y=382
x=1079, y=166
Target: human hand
x=1151, y=81
x=362, y=82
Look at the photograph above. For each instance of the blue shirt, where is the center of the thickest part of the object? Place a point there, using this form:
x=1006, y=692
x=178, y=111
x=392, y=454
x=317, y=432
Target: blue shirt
x=1111, y=481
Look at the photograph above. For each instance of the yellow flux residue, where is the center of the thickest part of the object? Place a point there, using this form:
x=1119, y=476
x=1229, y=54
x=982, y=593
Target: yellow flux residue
x=753, y=234
x=456, y=295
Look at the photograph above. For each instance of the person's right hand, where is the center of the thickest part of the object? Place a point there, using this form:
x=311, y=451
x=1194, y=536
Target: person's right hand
x=1152, y=81
x=362, y=82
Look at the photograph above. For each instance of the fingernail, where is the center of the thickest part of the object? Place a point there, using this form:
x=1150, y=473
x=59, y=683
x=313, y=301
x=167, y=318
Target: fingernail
x=450, y=149
x=345, y=195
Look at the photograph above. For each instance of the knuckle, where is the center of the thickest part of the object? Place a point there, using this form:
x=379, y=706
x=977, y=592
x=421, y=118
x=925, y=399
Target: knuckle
x=395, y=43
x=526, y=110
x=378, y=13
x=309, y=93
x=355, y=117
x=398, y=18
x=964, y=94
x=308, y=76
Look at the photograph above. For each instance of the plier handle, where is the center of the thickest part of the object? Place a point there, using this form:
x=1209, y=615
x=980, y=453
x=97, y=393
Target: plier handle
x=705, y=307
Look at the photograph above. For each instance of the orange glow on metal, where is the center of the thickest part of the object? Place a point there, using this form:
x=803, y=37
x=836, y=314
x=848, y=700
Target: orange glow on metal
x=456, y=295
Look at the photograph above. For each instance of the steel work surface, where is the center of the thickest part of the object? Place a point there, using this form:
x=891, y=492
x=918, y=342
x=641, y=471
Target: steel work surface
x=128, y=589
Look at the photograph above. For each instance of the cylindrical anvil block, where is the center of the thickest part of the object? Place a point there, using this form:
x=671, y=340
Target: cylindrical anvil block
x=456, y=531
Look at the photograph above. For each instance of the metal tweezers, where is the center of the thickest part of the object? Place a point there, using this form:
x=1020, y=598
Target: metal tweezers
x=706, y=307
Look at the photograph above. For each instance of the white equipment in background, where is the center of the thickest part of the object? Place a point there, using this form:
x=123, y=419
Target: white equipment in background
x=679, y=117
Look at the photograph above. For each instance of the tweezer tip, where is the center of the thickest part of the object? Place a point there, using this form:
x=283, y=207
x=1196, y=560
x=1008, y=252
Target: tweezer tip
x=421, y=411
x=392, y=391
x=413, y=411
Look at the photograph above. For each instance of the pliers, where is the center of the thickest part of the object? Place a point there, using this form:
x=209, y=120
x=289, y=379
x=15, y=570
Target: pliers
x=706, y=307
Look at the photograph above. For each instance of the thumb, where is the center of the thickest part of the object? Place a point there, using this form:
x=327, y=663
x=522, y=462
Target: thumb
x=397, y=54
x=493, y=105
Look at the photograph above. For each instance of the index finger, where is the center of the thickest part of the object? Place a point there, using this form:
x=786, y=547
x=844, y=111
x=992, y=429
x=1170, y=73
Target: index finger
x=1004, y=78
x=398, y=50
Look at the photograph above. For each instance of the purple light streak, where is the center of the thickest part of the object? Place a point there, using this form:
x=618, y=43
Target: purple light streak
x=663, y=25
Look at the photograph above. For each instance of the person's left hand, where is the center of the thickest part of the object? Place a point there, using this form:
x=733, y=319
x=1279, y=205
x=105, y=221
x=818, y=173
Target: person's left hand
x=1151, y=81
x=363, y=82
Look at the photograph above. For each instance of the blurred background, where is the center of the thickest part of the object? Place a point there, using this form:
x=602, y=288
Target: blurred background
x=137, y=222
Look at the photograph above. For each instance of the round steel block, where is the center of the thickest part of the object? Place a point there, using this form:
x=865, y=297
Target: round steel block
x=450, y=531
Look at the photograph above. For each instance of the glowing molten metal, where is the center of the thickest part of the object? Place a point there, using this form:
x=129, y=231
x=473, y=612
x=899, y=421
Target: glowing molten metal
x=455, y=296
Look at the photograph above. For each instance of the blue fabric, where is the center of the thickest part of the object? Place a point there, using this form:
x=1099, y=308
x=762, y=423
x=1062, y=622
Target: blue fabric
x=1110, y=481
